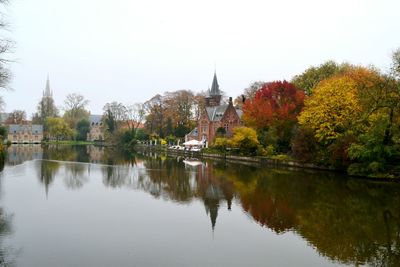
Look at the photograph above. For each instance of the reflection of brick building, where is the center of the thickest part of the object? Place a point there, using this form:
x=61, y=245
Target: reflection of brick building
x=215, y=115
x=96, y=132
x=25, y=133
x=17, y=154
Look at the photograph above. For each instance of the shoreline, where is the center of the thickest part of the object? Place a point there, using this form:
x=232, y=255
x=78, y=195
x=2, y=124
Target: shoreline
x=257, y=161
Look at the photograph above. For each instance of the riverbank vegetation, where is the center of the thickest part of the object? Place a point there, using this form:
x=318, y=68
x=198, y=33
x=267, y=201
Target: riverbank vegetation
x=337, y=115
x=340, y=116
x=6, y=45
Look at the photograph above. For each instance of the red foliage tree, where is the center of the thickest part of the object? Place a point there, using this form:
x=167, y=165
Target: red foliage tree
x=274, y=102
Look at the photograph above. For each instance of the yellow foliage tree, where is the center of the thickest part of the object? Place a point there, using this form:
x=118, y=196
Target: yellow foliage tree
x=332, y=108
x=58, y=129
x=245, y=139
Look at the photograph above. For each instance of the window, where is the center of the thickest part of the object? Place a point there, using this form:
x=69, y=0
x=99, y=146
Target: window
x=204, y=129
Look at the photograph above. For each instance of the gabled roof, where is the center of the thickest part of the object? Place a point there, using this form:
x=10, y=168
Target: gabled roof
x=95, y=119
x=37, y=128
x=217, y=112
x=34, y=128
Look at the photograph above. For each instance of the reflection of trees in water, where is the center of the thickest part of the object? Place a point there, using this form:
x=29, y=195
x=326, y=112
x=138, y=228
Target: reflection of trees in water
x=115, y=176
x=60, y=152
x=350, y=221
x=343, y=219
x=46, y=171
x=391, y=253
x=116, y=171
x=75, y=176
x=7, y=254
x=167, y=178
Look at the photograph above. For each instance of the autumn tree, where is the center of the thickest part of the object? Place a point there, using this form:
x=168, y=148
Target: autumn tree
x=377, y=146
x=136, y=115
x=274, y=109
x=179, y=107
x=244, y=139
x=75, y=109
x=352, y=116
x=332, y=109
x=155, y=118
x=199, y=104
x=57, y=128
x=248, y=93
x=310, y=78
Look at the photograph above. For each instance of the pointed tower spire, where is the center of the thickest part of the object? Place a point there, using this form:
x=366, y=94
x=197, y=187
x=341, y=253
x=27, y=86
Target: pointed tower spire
x=215, y=86
x=47, y=91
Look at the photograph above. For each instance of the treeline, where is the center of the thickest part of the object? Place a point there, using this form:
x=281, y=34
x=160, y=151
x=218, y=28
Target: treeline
x=72, y=125
x=166, y=118
x=337, y=115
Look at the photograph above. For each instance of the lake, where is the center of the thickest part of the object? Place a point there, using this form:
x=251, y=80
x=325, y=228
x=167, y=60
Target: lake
x=93, y=206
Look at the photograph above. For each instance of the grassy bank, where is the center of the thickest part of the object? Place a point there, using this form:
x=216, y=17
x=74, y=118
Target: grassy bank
x=68, y=142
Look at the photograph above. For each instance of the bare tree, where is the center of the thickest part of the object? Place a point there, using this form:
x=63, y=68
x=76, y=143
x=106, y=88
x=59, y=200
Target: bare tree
x=114, y=115
x=74, y=106
x=396, y=63
x=16, y=117
x=136, y=114
x=155, y=115
x=248, y=93
x=5, y=48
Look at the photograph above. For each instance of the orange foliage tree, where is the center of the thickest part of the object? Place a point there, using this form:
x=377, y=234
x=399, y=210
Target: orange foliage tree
x=275, y=105
x=275, y=101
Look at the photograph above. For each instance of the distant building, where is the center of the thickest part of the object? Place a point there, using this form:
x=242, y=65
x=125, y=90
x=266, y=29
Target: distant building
x=215, y=116
x=130, y=124
x=96, y=131
x=25, y=133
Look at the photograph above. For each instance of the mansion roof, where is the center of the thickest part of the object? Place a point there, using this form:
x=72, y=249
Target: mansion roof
x=217, y=112
x=95, y=119
x=22, y=128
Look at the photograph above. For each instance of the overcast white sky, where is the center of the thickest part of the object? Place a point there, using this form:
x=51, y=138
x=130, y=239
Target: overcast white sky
x=128, y=51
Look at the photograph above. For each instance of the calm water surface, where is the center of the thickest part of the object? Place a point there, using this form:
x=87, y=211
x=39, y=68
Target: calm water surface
x=90, y=206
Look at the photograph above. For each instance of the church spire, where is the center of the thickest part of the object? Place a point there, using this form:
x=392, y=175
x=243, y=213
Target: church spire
x=215, y=86
x=47, y=92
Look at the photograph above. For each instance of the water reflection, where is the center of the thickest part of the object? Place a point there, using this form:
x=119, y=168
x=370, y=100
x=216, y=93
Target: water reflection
x=7, y=254
x=346, y=220
x=76, y=175
x=46, y=171
x=18, y=154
